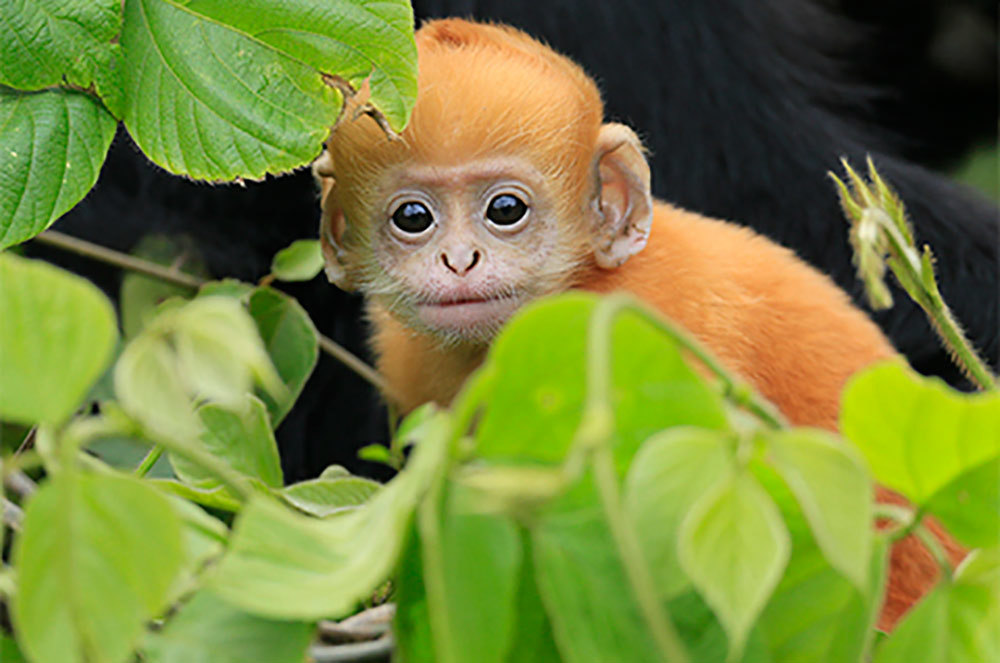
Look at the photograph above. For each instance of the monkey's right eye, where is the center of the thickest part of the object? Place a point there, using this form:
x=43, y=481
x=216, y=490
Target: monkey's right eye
x=412, y=218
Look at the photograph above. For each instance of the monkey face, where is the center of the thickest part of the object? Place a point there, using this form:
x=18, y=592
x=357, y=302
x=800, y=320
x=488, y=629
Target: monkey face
x=456, y=250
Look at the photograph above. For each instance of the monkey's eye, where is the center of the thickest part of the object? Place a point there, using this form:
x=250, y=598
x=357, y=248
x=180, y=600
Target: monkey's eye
x=506, y=209
x=412, y=218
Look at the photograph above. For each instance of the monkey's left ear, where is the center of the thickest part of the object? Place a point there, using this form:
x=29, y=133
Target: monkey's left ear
x=626, y=204
x=331, y=224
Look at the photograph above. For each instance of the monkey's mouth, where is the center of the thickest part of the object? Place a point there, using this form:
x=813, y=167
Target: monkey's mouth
x=468, y=316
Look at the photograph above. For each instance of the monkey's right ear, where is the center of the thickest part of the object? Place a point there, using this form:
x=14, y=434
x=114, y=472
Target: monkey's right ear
x=626, y=203
x=331, y=225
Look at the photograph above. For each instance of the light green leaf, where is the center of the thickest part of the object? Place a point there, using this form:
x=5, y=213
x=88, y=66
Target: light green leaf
x=203, y=539
x=96, y=560
x=832, y=486
x=47, y=40
x=209, y=630
x=734, y=546
x=922, y=437
x=57, y=333
x=671, y=471
x=149, y=387
x=538, y=366
x=325, y=497
x=969, y=506
x=242, y=437
x=215, y=498
x=53, y=145
x=284, y=565
x=292, y=343
x=141, y=295
x=301, y=261
x=583, y=584
x=227, y=288
x=239, y=87
x=9, y=651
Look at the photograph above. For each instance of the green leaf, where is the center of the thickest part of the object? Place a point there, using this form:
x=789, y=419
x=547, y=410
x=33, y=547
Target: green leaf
x=734, y=546
x=141, y=295
x=209, y=630
x=239, y=88
x=816, y=615
x=832, y=486
x=242, y=437
x=301, y=261
x=538, y=366
x=672, y=470
x=216, y=498
x=149, y=387
x=57, y=333
x=284, y=565
x=203, y=539
x=925, y=436
x=969, y=506
x=96, y=560
x=376, y=453
x=480, y=559
x=955, y=623
x=411, y=624
x=9, y=651
x=583, y=584
x=227, y=288
x=54, y=143
x=532, y=640
x=47, y=40
x=325, y=497
x=291, y=341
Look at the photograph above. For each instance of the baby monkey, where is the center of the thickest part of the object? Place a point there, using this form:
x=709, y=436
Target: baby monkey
x=507, y=185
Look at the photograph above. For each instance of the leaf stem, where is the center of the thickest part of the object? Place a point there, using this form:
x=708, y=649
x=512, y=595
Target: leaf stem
x=936, y=550
x=150, y=459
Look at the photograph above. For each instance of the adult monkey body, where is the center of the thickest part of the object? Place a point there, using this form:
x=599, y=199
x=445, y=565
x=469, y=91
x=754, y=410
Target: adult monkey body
x=506, y=186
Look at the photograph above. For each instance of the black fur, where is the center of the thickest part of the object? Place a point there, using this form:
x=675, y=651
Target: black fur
x=745, y=104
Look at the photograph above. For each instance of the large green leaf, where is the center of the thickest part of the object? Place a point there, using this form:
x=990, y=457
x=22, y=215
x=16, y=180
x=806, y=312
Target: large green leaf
x=285, y=565
x=956, y=623
x=54, y=143
x=219, y=90
x=209, y=630
x=96, y=560
x=478, y=559
x=583, y=583
x=734, y=547
x=539, y=366
x=324, y=497
x=47, y=40
x=57, y=332
x=923, y=438
x=291, y=341
x=672, y=470
x=831, y=484
x=970, y=505
x=241, y=437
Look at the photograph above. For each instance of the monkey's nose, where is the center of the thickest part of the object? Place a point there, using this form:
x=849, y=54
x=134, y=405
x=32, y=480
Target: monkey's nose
x=471, y=261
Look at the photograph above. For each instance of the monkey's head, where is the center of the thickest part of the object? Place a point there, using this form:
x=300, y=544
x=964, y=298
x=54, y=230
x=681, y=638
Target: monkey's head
x=505, y=186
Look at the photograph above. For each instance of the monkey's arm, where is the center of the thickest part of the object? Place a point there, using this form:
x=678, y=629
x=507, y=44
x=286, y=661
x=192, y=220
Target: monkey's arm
x=766, y=314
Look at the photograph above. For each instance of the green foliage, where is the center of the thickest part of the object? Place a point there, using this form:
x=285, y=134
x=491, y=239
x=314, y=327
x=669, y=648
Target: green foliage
x=54, y=143
x=57, y=332
x=300, y=261
x=210, y=89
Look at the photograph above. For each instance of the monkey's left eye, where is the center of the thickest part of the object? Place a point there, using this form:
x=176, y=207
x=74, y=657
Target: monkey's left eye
x=506, y=209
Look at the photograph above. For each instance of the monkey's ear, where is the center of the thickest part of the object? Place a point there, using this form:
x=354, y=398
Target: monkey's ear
x=331, y=225
x=626, y=204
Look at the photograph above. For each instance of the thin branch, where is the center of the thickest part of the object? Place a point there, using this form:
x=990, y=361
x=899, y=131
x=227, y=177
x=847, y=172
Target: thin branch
x=20, y=484
x=119, y=259
x=357, y=652
x=176, y=277
x=13, y=516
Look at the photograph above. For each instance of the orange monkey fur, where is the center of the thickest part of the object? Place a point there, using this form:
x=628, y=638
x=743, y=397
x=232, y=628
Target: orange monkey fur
x=487, y=90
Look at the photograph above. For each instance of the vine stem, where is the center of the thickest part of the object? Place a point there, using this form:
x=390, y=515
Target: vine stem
x=594, y=435
x=929, y=299
x=149, y=460
x=177, y=277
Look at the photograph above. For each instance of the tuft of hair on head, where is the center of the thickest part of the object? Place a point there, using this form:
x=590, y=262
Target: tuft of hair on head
x=483, y=90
